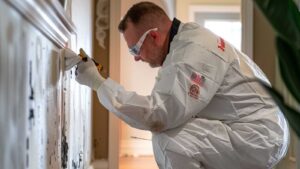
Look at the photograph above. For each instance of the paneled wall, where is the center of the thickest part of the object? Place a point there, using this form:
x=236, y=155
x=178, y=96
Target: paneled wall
x=45, y=116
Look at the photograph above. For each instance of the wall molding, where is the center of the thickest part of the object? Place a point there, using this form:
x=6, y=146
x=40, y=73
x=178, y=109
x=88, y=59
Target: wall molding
x=49, y=17
x=247, y=27
x=114, y=72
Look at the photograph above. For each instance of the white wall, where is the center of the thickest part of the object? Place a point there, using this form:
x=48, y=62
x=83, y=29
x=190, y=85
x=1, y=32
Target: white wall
x=45, y=114
x=81, y=123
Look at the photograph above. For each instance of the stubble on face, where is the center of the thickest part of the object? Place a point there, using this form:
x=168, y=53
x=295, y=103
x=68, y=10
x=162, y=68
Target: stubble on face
x=150, y=52
x=154, y=57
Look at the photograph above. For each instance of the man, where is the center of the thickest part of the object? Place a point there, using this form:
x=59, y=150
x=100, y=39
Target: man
x=200, y=116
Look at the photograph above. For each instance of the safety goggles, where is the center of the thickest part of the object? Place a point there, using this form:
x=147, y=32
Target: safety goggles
x=135, y=49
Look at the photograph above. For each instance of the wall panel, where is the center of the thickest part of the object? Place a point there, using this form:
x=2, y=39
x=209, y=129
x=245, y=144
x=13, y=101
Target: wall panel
x=44, y=113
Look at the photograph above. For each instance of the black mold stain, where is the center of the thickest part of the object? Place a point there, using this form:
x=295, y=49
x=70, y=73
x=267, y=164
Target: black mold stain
x=27, y=155
x=31, y=97
x=74, y=165
x=27, y=143
x=64, y=150
x=31, y=114
x=77, y=165
x=80, y=158
x=31, y=118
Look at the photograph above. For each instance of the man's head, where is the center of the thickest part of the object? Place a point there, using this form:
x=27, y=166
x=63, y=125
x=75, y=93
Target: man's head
x=145, y=28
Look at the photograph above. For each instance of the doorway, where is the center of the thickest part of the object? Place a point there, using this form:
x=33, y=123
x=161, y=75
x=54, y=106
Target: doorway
x=223, y=20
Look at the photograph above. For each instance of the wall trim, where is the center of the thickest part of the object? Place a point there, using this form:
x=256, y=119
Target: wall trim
x=114, y=73
x=49, y=17
x=213, y=8
x=247, y=27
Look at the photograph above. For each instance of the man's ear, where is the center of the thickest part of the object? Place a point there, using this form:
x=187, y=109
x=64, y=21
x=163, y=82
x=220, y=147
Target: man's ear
x=155, y=35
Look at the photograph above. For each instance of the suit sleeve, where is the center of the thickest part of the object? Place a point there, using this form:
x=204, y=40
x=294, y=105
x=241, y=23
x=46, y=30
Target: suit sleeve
x=182, y=90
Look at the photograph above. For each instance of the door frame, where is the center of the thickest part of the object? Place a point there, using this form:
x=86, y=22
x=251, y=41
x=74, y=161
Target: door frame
x=114, y=72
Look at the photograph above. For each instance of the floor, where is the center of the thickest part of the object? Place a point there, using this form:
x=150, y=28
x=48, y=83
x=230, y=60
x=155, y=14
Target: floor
x=144, y=162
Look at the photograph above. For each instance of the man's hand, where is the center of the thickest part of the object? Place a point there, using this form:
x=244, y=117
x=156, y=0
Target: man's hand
x=87, y=74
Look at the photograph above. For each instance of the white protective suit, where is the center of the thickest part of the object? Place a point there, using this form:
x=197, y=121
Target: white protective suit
x=198, y=119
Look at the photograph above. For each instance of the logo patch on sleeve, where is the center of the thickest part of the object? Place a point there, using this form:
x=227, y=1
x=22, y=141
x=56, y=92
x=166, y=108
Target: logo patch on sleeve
x=198, y=79
x=221, y=44
x=194, y=91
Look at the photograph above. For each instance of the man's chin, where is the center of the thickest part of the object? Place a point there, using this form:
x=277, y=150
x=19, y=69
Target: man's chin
x=153, y=65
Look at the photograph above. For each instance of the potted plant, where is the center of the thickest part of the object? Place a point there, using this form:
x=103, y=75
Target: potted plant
x=284, y=16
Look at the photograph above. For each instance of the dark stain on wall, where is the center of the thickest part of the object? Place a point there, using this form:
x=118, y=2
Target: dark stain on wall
x=77, y=165
x=31, y=114
x=27, y=155
x=74, y=165
x=27, y=143
x=64, y=150
x=31, y=96
x=80, y=158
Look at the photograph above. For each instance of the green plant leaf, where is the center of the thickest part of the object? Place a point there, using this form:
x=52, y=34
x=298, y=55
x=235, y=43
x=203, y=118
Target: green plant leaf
x=284, y=17
x=289, y=64
x=292, y=115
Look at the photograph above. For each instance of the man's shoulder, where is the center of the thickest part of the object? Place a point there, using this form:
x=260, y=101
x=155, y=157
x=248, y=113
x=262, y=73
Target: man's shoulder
x=193, y=33
x=188, y=28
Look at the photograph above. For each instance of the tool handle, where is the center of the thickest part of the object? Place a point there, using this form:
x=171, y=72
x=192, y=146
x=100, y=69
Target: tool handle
x=84, y=57
x=99, y=66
